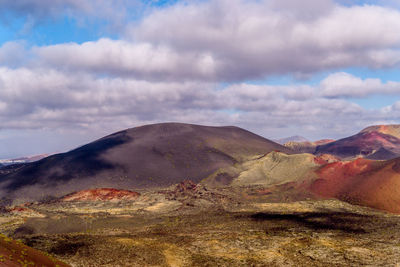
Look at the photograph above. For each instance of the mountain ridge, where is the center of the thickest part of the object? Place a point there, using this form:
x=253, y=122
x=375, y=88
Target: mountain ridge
x=364, y=144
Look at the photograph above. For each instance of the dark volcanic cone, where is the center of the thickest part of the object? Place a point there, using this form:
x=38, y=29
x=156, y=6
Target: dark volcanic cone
x=149, y=156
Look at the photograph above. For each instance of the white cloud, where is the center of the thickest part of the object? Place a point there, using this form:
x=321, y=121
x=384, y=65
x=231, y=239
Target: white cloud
x=251, y=39
x=122, y=58
x=13, y=53
x=237, y=40
x=38, y=98
x=346, y=85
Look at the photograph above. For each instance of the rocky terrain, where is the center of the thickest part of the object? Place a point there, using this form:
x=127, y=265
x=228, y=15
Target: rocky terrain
x=191, y=225
x=189, y=195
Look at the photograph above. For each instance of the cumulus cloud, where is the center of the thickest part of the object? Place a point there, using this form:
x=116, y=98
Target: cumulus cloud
x=301, y=9
x=36, y=98
x=48, y=93
x=122, y=58
x=13, y=54
x=346, y=85
x=252, y=39
x=237, y=40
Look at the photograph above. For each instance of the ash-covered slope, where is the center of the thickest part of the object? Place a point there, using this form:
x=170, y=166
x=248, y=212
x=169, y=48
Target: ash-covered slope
x=148, y=156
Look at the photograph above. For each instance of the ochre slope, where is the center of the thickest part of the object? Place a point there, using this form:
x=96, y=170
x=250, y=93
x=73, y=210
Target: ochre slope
x=13, y=253
x=274, y=168
x=277, y=168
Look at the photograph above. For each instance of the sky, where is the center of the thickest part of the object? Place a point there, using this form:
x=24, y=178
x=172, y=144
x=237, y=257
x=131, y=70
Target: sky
x=72, y=71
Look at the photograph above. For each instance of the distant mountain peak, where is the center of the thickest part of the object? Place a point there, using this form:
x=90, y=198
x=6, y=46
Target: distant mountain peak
x=294, y=138
x=26, y=159
x=307, y=146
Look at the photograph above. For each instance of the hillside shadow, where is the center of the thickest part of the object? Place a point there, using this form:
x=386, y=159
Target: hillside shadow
x=319, y=221
x=83, y=161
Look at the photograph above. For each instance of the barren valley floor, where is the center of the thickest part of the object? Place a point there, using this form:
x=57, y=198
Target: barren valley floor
x=214, y=228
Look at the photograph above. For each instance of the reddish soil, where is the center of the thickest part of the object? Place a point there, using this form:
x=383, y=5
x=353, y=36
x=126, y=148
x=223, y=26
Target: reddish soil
x=14, y=253
x=186, y=186
x=19, y=209
x=338, y=176
x=102, y=194
x=365, y=182
x=325, y=159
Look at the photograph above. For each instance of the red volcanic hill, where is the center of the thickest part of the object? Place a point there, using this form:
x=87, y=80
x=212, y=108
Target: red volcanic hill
x=370, y=144
x=365, y=182
x=150, y=156
x=102, y=194
x=393, y=129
